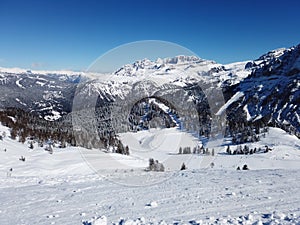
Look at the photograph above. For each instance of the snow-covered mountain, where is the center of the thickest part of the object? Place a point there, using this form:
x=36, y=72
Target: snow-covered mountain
x=271, y=93
x=47, y=93
x=264, y=89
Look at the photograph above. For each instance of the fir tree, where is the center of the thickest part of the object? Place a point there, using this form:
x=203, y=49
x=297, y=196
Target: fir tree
x=183, y=167
x=180, y=150
x=245, y=167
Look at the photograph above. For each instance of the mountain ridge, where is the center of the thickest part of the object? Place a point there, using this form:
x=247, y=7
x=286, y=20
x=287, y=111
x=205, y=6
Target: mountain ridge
x=52, y=95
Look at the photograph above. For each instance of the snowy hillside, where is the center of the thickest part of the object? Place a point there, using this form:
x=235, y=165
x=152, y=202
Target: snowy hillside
x=68, y=187
x=212, y=120
x=161, y=144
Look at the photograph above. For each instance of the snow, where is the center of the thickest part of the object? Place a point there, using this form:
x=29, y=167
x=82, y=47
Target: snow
x=233, y=99
x=177, y=71
x=75, y=185
x=12, y=118
x=40, y=83
x=65, y=188
x=258, y=117
x=55, y=115
x=165, y=108
x=160, y=144
x=18, y=83
x=22, y=103
x=247, y=112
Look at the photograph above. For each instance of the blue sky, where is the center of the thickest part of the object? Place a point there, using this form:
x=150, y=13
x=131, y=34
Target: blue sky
x=72, y=34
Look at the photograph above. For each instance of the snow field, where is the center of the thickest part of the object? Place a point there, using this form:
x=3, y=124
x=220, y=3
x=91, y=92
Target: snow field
x=79, y=186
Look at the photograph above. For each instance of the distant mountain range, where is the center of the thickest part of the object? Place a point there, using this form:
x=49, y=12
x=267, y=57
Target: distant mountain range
x=264, y=90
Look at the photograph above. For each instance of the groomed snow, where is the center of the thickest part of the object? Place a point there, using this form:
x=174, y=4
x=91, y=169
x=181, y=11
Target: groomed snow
x=62, y=188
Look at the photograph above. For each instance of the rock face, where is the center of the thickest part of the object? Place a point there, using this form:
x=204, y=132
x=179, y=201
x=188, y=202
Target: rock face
x=271, y=91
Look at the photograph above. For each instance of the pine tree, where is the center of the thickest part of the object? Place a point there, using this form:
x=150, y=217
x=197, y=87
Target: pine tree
x=194, y=150
x=151, y=164
x=202, y=149
x=180, y=150
x=207, y=151
x=120, y=148
x=245, y=167
x=161, y=168
x=183, y=167
x=228, y=150
x=126, y=150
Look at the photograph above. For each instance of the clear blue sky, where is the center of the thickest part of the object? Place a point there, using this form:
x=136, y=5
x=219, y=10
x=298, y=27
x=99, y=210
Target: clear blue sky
x=57, y=34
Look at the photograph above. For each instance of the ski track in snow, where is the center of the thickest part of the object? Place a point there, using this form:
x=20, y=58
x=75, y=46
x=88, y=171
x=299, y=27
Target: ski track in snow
x=191, y=195
x=62, y=189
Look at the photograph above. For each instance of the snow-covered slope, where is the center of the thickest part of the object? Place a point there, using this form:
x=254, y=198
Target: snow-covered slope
x=161, y=144
x=63, y=188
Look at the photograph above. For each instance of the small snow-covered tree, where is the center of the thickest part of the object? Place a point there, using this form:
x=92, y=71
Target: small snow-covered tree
x=49, y=148
x=151, y=164
x=155, y=165
x=158, y=167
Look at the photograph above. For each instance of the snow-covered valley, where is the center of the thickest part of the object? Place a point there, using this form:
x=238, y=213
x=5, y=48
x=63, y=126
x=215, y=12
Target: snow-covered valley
x=79, y=186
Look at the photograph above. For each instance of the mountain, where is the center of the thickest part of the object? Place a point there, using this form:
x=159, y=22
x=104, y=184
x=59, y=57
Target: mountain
x=271, y=92
x=47, y=93
x=176, y=83
x=194, y=94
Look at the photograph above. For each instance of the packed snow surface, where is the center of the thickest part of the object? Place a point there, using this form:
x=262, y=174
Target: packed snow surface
x=63, y=187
